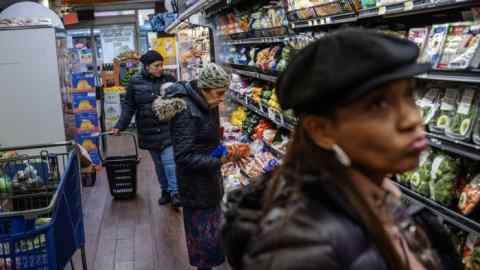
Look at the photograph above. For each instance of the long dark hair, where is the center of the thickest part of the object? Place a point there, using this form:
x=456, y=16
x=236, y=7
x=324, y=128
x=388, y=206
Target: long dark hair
x=305, y=157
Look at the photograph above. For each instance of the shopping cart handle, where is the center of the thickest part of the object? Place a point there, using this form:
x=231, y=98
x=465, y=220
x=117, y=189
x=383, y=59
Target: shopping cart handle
x=37, y=146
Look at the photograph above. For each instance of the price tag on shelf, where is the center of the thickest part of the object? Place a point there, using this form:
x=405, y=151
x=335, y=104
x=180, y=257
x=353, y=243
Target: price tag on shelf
x=282, y=120
x=246, y=99
x=328, y=20
x=272, y=115
x=382, y=10
x=315, y=22
x=91, y=95
x=261, y=107
x=310, y=23
x=408, y=5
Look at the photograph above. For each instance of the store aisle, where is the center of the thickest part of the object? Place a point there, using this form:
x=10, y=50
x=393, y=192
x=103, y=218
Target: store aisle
x=136, y=234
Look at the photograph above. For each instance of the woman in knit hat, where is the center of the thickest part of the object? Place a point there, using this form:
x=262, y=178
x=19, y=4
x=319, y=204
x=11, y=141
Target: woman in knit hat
x=194, y=125
x=153, y=135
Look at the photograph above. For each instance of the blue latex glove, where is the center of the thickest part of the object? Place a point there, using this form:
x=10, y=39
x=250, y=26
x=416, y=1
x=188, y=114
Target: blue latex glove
x=220, y=151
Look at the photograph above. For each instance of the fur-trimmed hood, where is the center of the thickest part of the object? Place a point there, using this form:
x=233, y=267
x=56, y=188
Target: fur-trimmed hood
x=178, y=98
x=166, y=108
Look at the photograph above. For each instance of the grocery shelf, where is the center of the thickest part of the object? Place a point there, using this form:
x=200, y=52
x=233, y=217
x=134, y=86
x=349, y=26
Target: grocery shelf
x=453, y=76
x=242, y=70
x=277, y=153
x=411, y=7
x=405, y=8
x=195, y=8
x=444, y=212
x=258, y=40
x=461, y=148
x=278, y=118
x=327, y=20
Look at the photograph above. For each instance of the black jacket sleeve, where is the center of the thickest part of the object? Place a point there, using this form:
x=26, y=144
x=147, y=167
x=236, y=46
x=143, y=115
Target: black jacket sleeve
x=183, y=130
x=128, y=108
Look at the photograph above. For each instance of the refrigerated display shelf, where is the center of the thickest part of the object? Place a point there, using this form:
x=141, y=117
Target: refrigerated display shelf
x=327, y=20
x=276, y=117
x=246, y=71
x=414, y=7
x=394, y=10
x=449, y=215
x=195, y=8
x=258, y=40
x=464, y=149
x=452, y=76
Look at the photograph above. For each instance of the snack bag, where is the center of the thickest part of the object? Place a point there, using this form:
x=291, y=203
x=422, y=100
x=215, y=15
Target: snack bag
x=447, y=110
x=461, y=125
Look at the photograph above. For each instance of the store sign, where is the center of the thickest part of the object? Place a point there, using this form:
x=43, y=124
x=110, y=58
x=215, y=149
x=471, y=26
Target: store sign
x=117, y=40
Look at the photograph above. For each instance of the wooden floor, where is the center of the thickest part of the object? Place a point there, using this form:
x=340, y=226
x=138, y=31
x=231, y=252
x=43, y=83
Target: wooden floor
x=132, y=235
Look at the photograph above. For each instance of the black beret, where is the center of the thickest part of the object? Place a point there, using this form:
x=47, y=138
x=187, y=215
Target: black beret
x=344, y=66
x=150, y=57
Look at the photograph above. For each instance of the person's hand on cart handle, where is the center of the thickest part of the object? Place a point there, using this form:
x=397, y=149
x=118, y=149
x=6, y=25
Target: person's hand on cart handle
x=115, y=131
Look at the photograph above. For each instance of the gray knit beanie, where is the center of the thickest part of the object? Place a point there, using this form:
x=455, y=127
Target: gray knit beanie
x=213, y=76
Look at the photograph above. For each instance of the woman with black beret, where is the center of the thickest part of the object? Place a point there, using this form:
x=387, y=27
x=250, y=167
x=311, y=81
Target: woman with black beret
x=330, y=205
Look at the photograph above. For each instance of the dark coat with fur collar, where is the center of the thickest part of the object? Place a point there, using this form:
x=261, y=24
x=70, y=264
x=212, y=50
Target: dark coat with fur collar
x=195, y=131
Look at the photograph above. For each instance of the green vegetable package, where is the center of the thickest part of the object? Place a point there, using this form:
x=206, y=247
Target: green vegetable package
x=443, y=178
x=429, y=104
x=447, y=111
x=419, y=180
x=461, y=125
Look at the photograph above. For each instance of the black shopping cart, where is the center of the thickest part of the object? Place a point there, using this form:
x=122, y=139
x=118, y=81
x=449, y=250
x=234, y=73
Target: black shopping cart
x=41, y=217
x=122, y=170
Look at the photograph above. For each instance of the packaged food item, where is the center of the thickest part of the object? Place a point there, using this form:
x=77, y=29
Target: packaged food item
x=405, y=178
x=419, y=179
x=429, y=104
x=443, y=176
x=471, y=253
x=369, y=3
x=470, y=196
x=419, y=36
x=476, y=131
x=436, y=40
x=469, y=54
x=460, y=46
x=461, y=124
x=446, y=112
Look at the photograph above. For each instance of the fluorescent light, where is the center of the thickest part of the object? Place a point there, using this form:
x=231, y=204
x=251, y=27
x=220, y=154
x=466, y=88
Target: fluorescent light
x=45, y=3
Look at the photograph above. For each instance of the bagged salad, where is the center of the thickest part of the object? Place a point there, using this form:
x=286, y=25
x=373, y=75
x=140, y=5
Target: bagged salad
x=443, y=179
x=461, y=125
x=460, y=46
x=476, y=131
x=429, y=104
x=420, y=179
x=448, y=106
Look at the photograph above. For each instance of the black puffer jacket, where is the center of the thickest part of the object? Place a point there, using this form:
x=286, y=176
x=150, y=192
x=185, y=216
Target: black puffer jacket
x=195, y=131
x=141, y=92
x=314, y=231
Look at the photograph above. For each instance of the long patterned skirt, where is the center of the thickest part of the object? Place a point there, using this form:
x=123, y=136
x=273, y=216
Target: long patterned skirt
x=202, y=231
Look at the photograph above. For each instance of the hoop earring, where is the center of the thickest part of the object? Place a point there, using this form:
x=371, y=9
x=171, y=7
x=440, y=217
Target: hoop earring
x=341, y=156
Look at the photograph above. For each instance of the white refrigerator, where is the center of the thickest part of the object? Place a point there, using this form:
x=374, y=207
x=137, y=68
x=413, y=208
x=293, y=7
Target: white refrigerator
x=35, y=106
